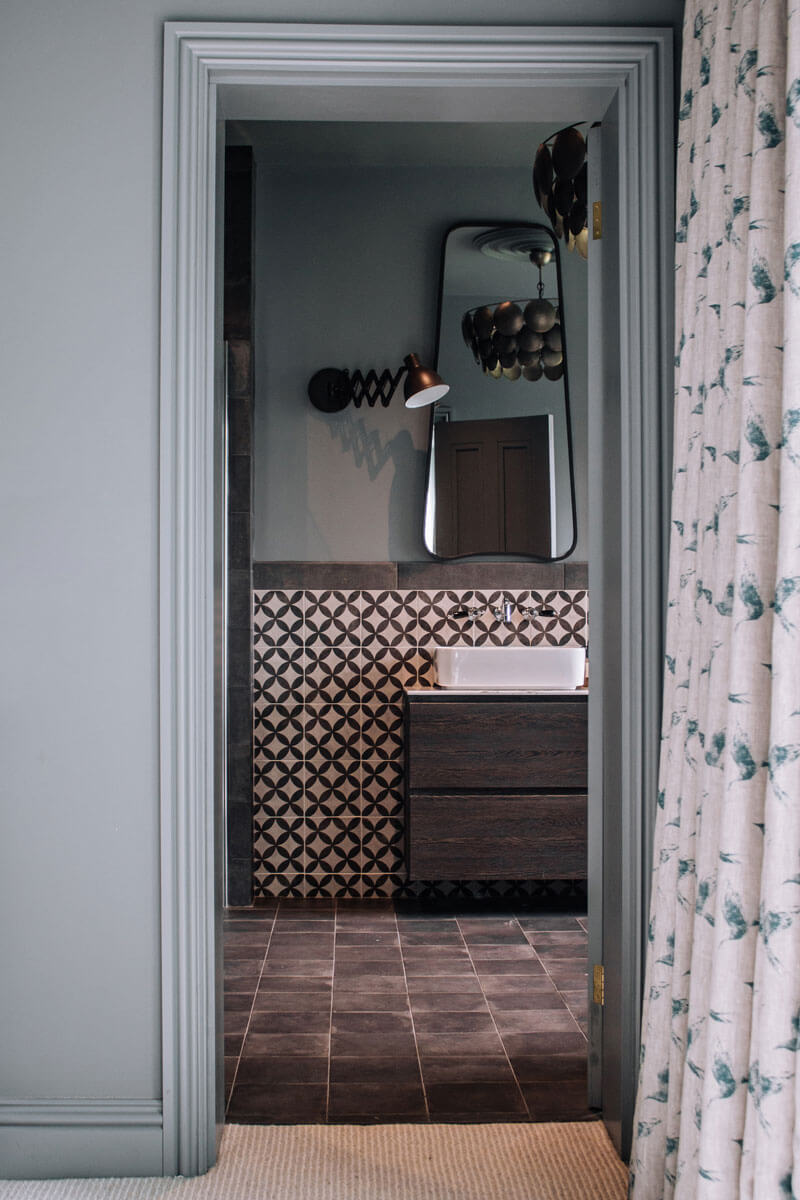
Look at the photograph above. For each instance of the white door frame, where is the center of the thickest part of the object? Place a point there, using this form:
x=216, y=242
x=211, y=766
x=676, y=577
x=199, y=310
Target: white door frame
x=198, y=57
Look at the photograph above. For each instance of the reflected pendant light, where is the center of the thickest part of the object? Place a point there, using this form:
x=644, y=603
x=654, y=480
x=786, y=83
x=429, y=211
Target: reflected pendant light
x=517, y=339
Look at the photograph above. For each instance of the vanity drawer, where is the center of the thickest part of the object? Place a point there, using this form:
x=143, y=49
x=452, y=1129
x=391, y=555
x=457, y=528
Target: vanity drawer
x=495, y=836
x=514, y=744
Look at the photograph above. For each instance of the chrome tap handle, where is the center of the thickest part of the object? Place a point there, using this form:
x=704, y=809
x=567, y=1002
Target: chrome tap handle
x=545, y=611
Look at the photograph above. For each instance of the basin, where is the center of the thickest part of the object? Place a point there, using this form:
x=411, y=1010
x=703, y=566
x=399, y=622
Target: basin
x=510, y=668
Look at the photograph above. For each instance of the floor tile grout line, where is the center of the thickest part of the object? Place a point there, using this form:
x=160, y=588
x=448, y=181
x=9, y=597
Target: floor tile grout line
x=411, y=1016
x=560, y=993
x=330, y=1012
x=568, y=1007
x=497, y=1030
x=252, y=1009
x=528, y=935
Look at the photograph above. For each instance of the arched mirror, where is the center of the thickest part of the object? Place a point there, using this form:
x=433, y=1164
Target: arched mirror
x=500, y=474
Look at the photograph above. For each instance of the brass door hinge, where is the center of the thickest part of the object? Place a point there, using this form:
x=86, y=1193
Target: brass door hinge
x=599, y=984
x=597, y=219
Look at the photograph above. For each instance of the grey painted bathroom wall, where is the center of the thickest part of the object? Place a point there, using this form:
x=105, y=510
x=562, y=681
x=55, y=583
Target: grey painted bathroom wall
x=79, y=799
x=347, y=274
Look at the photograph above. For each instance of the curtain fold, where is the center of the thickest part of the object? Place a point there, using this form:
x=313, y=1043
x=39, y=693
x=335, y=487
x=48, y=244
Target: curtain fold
x=717, y=1108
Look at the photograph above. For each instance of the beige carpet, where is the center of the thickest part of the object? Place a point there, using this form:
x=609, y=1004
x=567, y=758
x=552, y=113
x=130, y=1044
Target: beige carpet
x=379, y=1162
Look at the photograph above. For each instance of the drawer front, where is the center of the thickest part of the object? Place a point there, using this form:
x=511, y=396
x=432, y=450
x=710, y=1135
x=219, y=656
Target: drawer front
x=517, y=744
x=496, y=837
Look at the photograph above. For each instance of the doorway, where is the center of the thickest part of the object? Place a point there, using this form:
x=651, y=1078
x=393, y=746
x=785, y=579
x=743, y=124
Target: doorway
x=461, y=1008
x=209, y=71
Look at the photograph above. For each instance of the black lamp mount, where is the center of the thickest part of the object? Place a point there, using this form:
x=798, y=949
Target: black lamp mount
x=331, y=390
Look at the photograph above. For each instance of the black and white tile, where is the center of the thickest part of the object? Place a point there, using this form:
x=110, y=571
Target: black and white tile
x=330, y=670
x=333, y=618
x=382, y=732
x=569, y=623
x=444, y=618
x=388, y=618
x=279, y=617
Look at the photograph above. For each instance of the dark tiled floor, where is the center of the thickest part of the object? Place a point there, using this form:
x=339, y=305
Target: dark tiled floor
x=343, y=1011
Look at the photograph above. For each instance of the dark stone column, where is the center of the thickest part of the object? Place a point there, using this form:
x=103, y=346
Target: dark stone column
x=238, y=331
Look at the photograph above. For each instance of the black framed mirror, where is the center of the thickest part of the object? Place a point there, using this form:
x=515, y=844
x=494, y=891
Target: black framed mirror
x=500, y=478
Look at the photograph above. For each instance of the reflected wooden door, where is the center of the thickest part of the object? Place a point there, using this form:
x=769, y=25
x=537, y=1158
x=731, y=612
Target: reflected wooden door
x=493, y=487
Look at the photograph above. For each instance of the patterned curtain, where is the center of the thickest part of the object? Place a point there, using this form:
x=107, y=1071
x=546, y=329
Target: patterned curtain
x=719, y=1093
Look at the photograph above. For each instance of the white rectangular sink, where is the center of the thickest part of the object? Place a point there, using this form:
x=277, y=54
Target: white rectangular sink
x=510, y=668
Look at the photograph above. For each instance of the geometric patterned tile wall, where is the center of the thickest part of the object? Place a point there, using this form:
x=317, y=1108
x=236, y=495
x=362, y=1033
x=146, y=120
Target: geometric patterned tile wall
x=330, y=668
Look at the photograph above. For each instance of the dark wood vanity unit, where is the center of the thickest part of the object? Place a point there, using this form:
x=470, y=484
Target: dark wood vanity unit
x=495, y=786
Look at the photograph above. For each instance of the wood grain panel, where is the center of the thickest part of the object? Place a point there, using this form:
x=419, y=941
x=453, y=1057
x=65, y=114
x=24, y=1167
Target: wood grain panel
x=496, y=836
x=485, y=744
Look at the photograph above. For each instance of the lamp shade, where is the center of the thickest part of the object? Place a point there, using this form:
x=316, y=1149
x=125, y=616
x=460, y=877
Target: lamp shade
x=422, y=386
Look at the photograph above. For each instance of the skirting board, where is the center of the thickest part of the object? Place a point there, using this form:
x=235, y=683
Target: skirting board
x=68, y=1139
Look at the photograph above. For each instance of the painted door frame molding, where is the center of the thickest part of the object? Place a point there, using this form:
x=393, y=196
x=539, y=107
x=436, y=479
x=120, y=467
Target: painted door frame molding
x=198, y=57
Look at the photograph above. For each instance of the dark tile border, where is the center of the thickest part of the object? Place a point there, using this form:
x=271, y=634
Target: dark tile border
x=480, y=575
x=237, y=321
x=576, y=575
x=390, y=576
x=320, y=575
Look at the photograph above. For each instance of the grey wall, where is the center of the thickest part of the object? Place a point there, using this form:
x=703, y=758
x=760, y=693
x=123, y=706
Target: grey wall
x=79, y=866
x=347, y=274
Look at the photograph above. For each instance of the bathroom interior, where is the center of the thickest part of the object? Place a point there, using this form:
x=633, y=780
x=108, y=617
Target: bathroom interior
x=406, y=922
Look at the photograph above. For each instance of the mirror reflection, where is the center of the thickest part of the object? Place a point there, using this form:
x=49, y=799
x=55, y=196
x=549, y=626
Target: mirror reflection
x=500, y=477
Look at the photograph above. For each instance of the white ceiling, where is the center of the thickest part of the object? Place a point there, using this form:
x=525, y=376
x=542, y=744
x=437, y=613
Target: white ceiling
x=379, y=101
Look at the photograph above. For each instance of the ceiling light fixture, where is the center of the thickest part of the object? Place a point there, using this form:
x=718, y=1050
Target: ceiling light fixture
x=559, y=182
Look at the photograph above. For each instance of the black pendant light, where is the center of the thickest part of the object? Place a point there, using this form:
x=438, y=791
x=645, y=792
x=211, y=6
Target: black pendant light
x=518, y=339
x=559, y=183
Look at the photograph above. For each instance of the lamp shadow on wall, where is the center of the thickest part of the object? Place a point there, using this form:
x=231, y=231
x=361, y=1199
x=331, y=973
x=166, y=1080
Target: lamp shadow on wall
x=407, y=495
x=364, y=445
